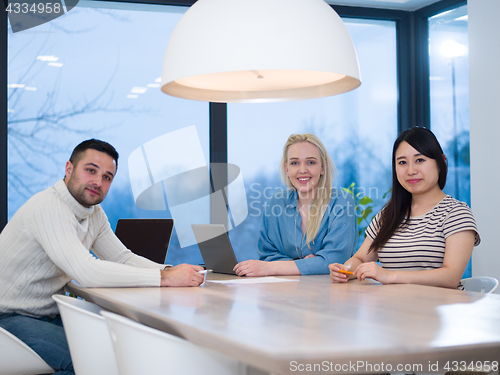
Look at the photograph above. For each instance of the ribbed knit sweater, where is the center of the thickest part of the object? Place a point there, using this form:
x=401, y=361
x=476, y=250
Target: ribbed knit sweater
x=47, y=243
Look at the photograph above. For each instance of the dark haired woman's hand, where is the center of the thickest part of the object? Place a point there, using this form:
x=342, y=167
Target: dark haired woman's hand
x=336, y=275
x=375, y=272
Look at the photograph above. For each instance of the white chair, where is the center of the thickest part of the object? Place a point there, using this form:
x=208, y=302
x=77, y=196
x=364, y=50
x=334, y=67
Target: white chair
x=143, y=350
x=88, y=337
x=17, y=358
x=482, y=284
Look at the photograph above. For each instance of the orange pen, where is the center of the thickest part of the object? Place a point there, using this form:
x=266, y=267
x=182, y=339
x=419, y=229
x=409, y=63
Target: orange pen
x=346, y=272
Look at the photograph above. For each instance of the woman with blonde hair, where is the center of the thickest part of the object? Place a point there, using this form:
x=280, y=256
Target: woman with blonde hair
x=308, y=225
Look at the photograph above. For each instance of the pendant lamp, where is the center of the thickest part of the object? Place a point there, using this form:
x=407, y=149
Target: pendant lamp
x=241, y=51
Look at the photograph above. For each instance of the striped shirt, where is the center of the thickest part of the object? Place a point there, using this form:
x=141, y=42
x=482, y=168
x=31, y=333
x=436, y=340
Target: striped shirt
x=420, y=243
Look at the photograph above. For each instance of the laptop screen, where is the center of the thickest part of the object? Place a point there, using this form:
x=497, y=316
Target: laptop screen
x=148, y=238
x=215, y=247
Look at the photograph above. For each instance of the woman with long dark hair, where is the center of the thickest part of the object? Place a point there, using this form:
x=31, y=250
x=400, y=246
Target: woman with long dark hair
x=421, y=236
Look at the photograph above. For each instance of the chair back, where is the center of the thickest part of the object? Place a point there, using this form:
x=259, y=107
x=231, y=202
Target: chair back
x=88, y=337
x=17, y=358
x=143, y=350
x=481, y=284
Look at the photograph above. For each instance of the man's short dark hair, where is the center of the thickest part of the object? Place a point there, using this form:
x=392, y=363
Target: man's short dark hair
x=94, y=144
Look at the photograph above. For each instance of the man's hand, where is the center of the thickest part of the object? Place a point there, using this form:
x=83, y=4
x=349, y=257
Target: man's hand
x=182, y=275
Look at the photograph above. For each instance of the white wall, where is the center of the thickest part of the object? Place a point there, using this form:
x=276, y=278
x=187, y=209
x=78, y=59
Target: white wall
x=484, y=65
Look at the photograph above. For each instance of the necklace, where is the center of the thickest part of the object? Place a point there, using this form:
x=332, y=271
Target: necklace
x=295, y=237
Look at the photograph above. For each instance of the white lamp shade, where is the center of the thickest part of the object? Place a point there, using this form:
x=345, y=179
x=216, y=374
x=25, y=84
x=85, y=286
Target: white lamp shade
x=259, y=51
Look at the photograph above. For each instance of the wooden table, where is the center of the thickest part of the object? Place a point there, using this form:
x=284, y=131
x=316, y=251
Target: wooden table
x=314, y=326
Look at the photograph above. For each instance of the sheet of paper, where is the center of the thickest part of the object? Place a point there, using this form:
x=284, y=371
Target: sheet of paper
x=252, y=280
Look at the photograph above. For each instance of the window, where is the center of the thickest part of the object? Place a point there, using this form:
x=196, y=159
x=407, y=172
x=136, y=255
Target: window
x=449, y=98
x=449, y=95
x=357, y=128
x=94, y=73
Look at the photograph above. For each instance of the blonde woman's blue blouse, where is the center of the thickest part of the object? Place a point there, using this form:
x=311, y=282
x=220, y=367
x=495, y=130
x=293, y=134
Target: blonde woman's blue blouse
x=281, y=235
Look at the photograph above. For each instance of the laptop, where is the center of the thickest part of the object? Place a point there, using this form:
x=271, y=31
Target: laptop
x=148, y=238
x=215, y=247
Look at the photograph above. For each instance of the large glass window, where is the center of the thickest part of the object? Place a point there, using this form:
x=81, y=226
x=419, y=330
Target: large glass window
x=94, y=73
x=449, y=94
x=358, y=129
x=449, y=97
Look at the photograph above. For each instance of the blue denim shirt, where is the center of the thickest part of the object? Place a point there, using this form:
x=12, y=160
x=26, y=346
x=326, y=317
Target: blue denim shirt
x=281, y=235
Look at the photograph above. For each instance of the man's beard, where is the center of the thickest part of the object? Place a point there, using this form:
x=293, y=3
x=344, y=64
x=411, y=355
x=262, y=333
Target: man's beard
x=78, y=192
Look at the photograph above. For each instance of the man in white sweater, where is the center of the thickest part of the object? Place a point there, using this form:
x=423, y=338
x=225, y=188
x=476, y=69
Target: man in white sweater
x=47, y=243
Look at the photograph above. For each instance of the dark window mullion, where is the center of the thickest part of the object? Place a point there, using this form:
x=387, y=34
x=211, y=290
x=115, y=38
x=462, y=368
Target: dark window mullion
x=3, y=120
x=422, y=89
x=406, y=72
x=218, y=154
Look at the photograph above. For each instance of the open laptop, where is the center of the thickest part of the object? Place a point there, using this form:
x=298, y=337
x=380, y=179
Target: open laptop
x=148, y=238
x=215, y=247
